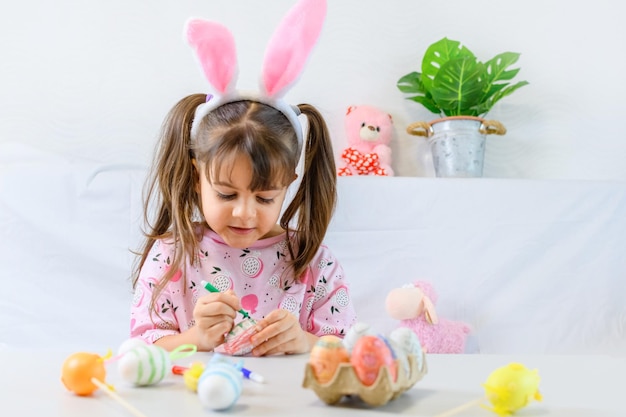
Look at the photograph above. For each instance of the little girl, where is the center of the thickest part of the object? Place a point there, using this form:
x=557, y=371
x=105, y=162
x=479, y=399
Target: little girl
x=215, y=197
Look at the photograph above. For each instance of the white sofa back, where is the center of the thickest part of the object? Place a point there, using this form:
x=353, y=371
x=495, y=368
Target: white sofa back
x=533, y=266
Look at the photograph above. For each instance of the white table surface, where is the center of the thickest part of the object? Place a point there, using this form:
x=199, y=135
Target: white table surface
x=572, y=386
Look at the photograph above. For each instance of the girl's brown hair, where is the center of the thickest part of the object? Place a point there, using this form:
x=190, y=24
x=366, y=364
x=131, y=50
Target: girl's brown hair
x=265, y=135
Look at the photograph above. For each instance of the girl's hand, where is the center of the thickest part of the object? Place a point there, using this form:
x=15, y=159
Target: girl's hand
x=214, y=315
x=280, y=332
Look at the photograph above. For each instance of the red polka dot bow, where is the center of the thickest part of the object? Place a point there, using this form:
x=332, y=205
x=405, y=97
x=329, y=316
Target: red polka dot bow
x=362, y=164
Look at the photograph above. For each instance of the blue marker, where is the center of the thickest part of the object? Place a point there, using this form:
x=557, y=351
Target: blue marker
x=252, y=376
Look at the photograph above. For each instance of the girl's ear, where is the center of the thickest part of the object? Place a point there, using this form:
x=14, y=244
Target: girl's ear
x=215, y=49
x=291, y=45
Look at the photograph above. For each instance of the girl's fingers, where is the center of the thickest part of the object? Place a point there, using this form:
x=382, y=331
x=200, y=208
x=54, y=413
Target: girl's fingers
x=275, y=322
x=266, y=332
x=284, y=343
x=215, y=307
x=281, y=336
x=211, y=321
x=214, y=335
x=269, y=347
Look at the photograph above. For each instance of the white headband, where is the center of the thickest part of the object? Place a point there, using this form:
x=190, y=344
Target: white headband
x=290, y=112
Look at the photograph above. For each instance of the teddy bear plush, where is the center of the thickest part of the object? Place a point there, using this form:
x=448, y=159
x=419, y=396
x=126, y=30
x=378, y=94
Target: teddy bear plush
x=414, y=306
x=369, y=131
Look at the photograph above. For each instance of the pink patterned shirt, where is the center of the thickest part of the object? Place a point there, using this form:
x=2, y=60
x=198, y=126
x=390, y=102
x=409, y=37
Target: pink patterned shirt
x=321, y=301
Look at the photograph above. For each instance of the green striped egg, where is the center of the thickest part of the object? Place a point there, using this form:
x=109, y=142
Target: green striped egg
x=144, y=365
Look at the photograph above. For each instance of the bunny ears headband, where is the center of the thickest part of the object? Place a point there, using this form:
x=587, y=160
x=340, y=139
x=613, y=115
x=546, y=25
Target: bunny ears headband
x=285, y=57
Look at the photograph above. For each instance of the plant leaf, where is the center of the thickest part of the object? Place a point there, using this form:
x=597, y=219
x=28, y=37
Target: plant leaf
x=493, y=89
x=411, y=83
x=428, y=102
x=453, y=82
x=497, y=72
x=501, y=94
x=496, y=67
x=459, y=85
x=437, y=55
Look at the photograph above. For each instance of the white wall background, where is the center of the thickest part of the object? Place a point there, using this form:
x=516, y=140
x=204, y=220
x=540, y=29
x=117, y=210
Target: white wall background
x=85, y=85
x=93, y=79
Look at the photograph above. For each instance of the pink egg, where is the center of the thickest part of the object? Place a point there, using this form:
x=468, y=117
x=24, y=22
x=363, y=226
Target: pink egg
x=369, y=355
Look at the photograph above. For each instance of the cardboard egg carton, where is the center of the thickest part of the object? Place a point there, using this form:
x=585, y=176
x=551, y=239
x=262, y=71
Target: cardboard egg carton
x=384, y=389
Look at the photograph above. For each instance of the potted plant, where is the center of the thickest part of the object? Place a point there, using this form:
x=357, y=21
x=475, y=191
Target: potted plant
x=458, y=87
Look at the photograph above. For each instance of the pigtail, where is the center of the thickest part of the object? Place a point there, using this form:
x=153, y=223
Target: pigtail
x=314, y=202
x=170, y=196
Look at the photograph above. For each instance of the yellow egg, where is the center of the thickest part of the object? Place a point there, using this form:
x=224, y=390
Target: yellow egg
x=512, y=387
x=326, y=356
x=191, y=376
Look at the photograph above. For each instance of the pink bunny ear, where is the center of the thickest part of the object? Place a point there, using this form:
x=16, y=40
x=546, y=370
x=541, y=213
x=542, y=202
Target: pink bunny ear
x=291, y=44
x=215, y=48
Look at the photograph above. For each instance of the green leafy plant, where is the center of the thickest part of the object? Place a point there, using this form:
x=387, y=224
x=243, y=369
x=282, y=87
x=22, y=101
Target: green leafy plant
x=454, y=83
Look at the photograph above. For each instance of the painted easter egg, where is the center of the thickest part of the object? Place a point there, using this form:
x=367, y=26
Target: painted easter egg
x=407, y=340
x=512, y=387
x=369, y=355
x=78, y=370
x=237, y=341
x=407, y=343
x=192, y=375
x=219, y=386
x=326, y=356
x=355, y=333
x=130, y=344
x=144, y=365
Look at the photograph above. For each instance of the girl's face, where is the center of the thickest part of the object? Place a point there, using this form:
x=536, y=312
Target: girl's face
x=238, y=215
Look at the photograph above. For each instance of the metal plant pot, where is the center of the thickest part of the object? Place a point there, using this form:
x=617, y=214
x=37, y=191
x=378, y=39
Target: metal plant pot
x=457, y=143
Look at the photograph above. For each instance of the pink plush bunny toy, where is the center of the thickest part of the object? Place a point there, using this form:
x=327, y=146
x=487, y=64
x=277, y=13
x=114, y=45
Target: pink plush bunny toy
x=414, y=306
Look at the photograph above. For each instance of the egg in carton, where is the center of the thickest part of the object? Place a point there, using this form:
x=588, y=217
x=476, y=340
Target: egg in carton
x=372, y=367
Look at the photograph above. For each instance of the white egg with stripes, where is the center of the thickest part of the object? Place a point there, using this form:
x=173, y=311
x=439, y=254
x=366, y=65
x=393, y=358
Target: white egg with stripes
x=144, y=365
x=219, y=386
